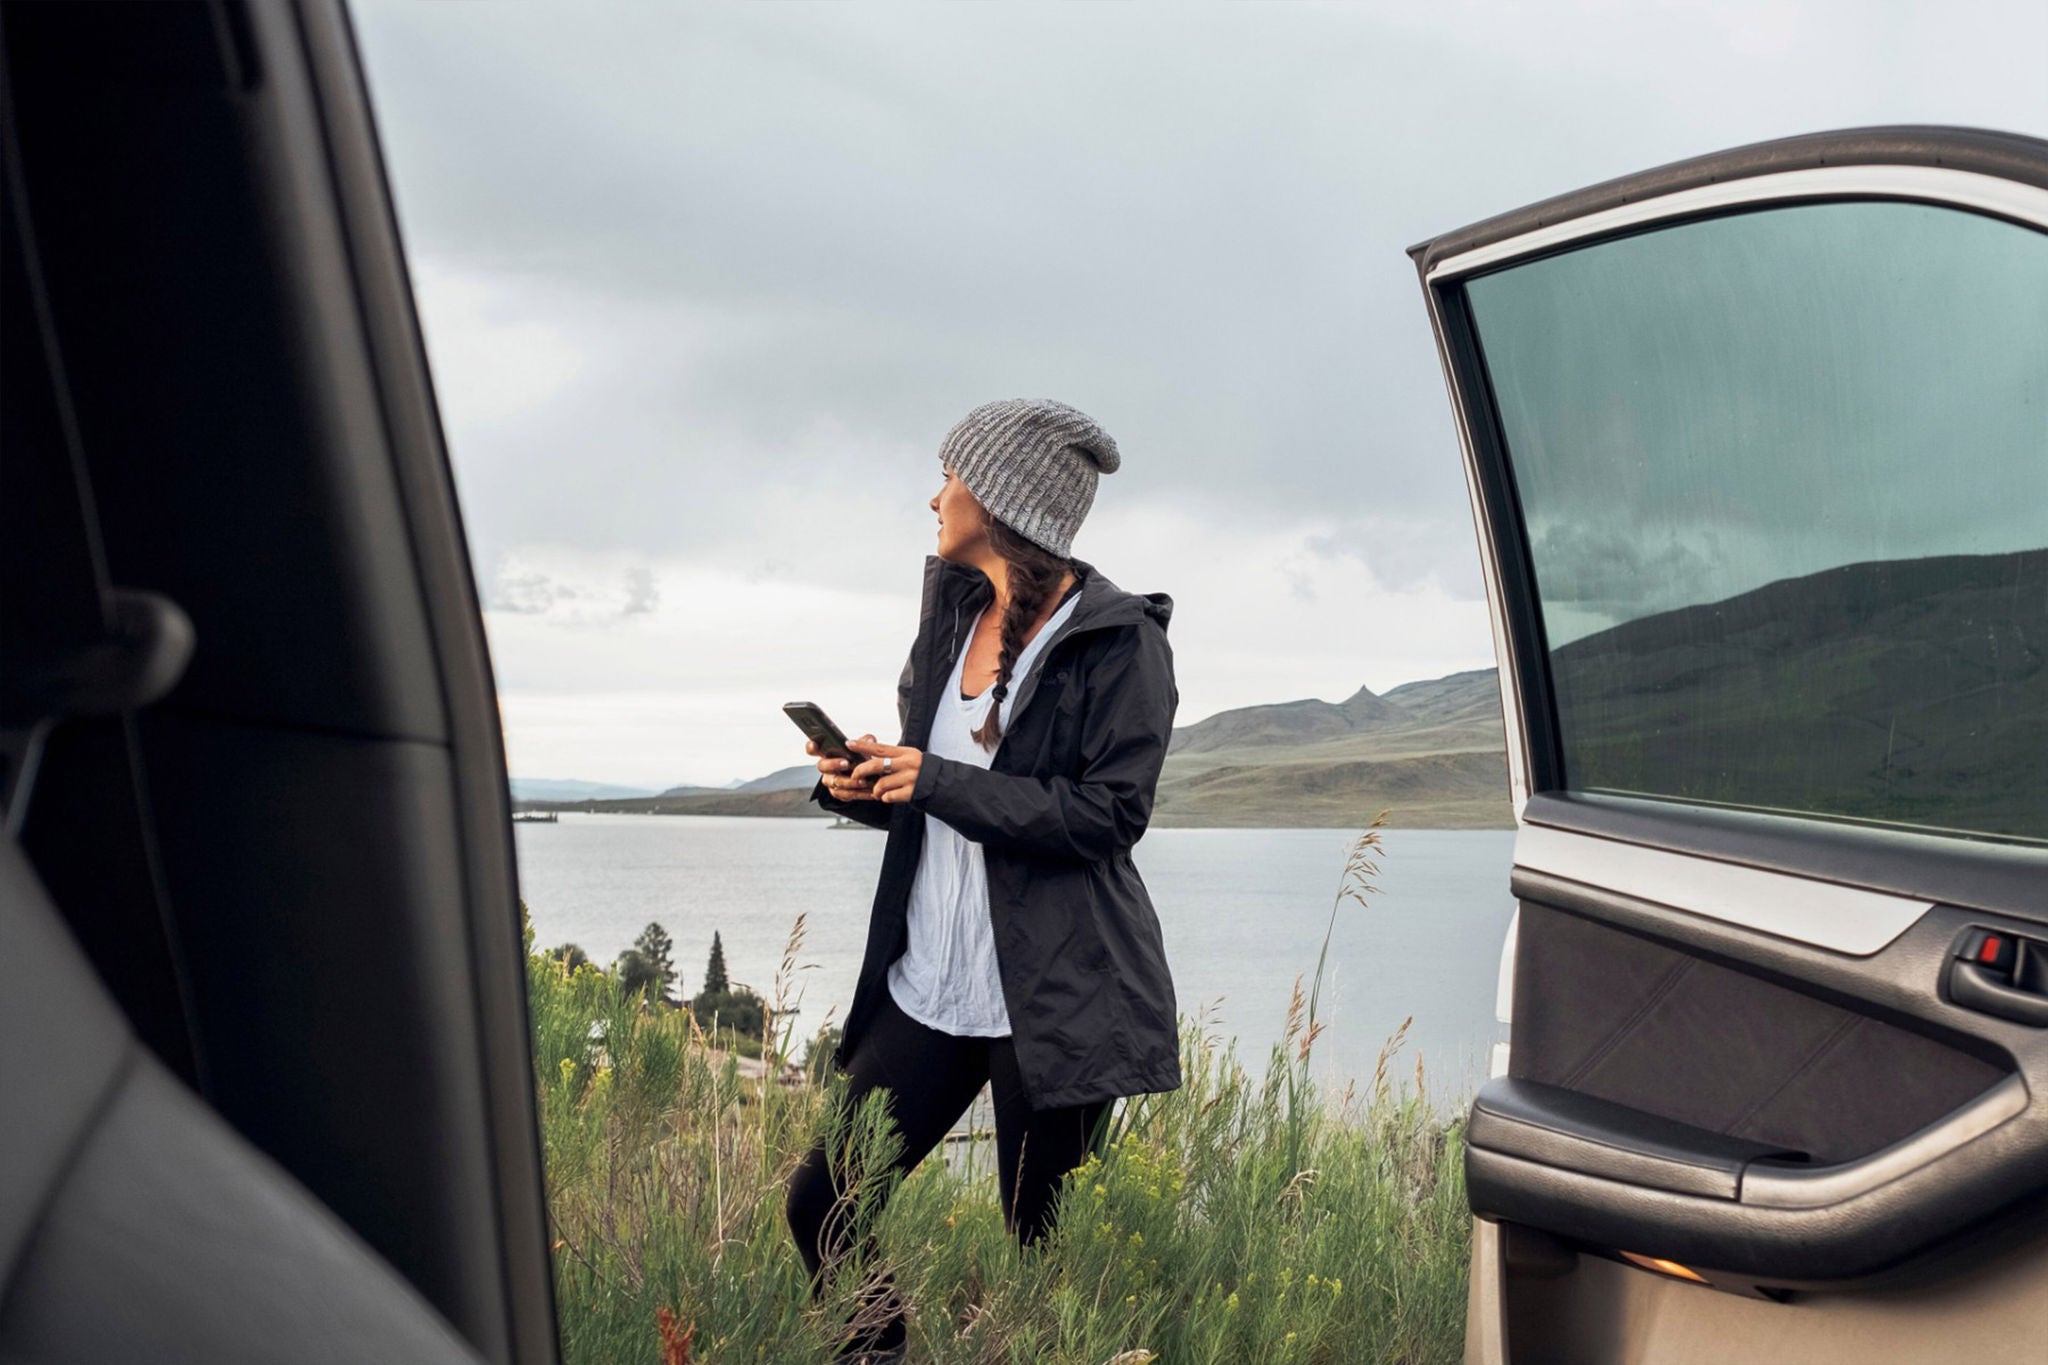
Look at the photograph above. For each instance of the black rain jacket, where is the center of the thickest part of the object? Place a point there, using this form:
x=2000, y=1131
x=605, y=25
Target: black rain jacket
x=1068, y=792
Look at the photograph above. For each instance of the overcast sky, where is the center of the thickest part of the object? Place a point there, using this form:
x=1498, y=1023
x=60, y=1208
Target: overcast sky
x=704, y=286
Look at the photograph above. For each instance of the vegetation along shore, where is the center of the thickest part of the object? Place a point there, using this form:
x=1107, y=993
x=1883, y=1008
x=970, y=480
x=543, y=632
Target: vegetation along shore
x=1245, y=1217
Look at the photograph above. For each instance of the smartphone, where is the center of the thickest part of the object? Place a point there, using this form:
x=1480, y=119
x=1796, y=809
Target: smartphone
x=812, y=720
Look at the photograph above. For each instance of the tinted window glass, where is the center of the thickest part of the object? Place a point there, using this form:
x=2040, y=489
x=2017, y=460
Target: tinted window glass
x=1785, y=479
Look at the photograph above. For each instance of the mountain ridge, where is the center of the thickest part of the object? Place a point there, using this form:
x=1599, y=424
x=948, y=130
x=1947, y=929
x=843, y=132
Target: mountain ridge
x=1430, y=750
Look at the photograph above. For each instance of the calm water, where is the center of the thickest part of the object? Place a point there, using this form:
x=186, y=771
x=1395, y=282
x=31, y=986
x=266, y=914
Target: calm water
x=1244, y=912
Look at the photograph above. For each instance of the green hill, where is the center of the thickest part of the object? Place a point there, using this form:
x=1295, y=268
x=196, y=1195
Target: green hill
x=1431, y=753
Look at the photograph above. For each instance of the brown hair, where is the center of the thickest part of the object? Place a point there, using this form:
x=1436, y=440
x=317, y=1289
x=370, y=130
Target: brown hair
x=1035, y=574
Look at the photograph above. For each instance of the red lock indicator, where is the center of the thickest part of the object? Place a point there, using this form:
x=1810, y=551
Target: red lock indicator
x=1992, y=948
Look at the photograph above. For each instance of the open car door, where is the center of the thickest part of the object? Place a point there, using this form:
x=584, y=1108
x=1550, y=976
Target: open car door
x=1758, y=453
x=266, y=1080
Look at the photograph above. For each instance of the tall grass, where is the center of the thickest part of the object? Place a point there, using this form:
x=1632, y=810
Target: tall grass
x=1240, y=1218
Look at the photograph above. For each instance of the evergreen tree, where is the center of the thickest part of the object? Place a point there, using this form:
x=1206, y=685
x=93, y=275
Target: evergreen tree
x=635, y=973
x=569, y=956
x=657, y=948
x=736, y=1011
x=714, y=974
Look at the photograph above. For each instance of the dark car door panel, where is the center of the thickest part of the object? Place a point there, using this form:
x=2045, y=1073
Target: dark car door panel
x=290, y=863
x=1746, y=1103
x=1757, y=446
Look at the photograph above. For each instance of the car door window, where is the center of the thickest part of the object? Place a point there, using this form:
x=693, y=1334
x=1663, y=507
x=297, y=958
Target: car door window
x=1784, y=478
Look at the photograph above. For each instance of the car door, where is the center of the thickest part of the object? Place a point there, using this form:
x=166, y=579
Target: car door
x=266, y=1090
x=1758, y=455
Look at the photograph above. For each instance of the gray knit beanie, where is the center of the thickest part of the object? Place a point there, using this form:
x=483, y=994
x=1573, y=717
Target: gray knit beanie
x=1032, y=463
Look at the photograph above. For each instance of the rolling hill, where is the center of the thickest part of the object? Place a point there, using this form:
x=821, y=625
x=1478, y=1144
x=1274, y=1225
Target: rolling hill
x=1911, y=691
x=1430, y=752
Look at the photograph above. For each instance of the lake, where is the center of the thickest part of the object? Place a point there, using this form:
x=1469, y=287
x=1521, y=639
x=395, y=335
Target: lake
x=1243, y=912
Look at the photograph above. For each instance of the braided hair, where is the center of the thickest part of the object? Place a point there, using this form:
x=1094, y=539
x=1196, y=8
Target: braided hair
x=1035, y=574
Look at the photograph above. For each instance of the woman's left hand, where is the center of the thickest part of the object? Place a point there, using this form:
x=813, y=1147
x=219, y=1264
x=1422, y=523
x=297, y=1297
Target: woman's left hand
x=890, y=768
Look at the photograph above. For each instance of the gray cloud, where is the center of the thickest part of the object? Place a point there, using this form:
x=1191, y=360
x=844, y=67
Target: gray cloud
x=708, y=282
x=795, y=225
x=643, y=595
x=1189, y=223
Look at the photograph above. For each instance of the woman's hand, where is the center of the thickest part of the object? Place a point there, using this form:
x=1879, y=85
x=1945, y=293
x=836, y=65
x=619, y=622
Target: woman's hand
x=890, y=769
x=842, y=785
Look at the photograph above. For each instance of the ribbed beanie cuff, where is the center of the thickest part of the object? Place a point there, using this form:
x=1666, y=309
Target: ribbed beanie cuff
x=1033, y=464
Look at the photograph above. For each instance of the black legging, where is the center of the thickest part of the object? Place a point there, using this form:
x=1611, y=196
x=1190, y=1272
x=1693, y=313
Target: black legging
x=931, y=1077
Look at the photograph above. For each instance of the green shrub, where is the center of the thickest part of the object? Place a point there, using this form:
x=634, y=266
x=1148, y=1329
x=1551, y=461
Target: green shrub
x=739, y=1011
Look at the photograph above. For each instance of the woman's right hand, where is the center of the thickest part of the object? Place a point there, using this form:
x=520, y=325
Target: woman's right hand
x=842, y=787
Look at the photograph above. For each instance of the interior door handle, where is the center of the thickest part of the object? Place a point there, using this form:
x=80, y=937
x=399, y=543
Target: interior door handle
x=2002, y=974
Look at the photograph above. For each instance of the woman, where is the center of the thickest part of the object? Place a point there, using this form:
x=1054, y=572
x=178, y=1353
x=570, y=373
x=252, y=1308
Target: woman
x=1011, y=940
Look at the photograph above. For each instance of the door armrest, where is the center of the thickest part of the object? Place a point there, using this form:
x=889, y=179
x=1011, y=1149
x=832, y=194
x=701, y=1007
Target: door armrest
x=1574, y=1132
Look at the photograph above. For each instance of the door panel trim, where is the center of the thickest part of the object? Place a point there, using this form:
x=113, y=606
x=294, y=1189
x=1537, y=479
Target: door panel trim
x=1950, y=868
x=1789, y=1187
x=1845, y=919
x=1882, y=1209
x=1939, y=185
x=2005, y=155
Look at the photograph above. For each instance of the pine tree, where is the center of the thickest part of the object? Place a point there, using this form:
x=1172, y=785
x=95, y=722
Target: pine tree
x=714, y=974
x=656, y=949
x=736, y=1011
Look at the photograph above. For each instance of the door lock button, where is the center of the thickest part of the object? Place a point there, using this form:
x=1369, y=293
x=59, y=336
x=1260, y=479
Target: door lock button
x=1990, y=948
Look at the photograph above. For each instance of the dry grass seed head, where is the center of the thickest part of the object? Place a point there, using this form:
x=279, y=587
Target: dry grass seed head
x=1387, y=1051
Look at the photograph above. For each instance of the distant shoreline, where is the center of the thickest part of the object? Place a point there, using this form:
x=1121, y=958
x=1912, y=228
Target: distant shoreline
x=1433, y=816
x=1432, y=754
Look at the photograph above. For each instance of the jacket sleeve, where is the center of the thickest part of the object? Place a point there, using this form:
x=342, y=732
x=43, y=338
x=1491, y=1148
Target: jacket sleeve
x=874, y=813
x=1126, y=723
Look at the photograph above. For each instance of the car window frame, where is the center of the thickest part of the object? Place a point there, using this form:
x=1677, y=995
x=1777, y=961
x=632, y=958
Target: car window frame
x=1535, y=752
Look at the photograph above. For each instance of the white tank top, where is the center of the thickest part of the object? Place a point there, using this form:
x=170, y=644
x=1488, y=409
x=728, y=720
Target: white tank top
x=947, y=978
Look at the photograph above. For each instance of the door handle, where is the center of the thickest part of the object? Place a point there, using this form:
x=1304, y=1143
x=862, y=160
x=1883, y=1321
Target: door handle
x=2001, y=974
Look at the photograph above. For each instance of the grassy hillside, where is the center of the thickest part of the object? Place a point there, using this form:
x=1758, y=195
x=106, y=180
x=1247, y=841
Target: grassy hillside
x=1431, y=753
x=1427, y=791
